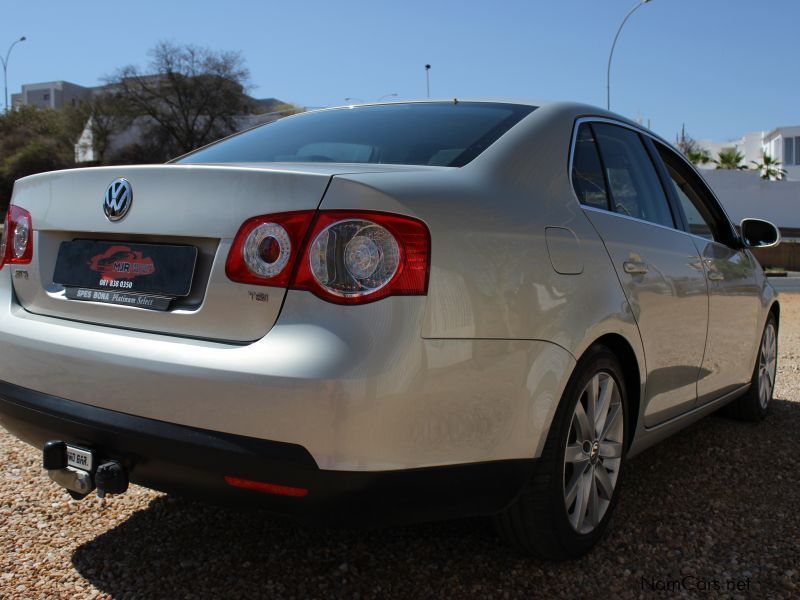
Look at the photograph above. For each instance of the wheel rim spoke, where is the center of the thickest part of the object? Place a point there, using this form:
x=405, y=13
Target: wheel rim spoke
x=575, y=454
x=592, y=394
x=573, y=488
x=614, y=416
x=593, y=509
x=609, y=449
x=582, y=422
x=603, y=404
x=605, y=486
x=581, y=500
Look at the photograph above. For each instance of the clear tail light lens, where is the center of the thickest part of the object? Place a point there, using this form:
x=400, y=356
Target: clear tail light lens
x=355, y=257
x=16, y=246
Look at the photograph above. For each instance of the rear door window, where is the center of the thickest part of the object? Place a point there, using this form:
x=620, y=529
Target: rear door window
x=634, y=186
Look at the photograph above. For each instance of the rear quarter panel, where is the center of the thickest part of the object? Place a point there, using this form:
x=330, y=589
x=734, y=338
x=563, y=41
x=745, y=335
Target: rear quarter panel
x=491, y=272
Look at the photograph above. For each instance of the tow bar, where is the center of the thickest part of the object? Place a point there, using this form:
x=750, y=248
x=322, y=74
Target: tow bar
x=80, y=471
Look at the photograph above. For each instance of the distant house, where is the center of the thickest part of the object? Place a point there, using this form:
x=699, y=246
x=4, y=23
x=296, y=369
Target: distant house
x=52, y=94
x=749, y=145
x=782, y=143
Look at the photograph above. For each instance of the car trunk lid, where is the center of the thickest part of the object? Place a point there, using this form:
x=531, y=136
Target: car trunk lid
x=198, y=206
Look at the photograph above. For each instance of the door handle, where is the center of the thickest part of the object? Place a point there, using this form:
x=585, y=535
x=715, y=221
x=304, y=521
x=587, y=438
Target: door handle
x=715, y=276
x=635, y=267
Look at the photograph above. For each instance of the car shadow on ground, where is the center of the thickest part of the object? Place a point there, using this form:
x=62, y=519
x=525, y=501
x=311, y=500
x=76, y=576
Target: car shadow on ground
x=716, y=502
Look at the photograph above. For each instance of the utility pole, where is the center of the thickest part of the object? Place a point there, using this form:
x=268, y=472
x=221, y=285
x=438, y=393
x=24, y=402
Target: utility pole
x=428, y=79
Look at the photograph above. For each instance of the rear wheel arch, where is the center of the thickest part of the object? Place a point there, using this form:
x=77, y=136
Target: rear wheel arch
x=624, y=352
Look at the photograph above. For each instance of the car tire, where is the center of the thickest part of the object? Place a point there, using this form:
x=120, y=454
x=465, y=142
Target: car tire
x=754, y=404
x=542, y=522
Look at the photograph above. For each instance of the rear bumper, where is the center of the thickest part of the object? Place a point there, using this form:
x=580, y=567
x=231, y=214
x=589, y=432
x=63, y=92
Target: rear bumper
x=191, y=461
x=356, y=386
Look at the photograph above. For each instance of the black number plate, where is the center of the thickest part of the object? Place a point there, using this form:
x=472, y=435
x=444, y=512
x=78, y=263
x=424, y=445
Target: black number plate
x=121, y=267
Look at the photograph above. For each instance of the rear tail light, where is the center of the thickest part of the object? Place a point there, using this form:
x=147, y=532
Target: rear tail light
x=349, y=257
x=16, y=246
x=266, y=248
x=354, y=257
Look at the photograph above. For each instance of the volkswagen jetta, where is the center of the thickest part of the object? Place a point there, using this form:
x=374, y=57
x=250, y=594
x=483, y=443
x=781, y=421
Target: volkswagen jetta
x=384, y=312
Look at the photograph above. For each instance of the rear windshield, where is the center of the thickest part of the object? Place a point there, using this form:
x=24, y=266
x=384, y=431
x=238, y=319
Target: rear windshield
x=441, y=134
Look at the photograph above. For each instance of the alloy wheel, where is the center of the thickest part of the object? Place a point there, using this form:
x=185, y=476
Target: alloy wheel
x=593, y=454
x=767, y=364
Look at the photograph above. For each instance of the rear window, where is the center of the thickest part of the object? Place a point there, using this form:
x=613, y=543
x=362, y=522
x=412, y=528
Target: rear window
x=440, y=134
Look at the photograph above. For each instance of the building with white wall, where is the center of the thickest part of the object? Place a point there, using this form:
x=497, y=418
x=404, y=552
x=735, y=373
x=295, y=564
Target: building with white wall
x=783, y=143
x=749, y=145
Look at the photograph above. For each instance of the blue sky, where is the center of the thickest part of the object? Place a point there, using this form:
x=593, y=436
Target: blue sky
x=723, y=67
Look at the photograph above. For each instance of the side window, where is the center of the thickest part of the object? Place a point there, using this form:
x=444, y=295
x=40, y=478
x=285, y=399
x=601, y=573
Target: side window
x=702, y=215
x=587, y=173
x=635, y=188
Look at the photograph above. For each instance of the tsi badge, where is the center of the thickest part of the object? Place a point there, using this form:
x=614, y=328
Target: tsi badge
x=118, y=199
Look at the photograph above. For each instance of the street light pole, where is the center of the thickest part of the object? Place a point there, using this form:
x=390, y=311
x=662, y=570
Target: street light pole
x=5, y=68
x=392, y=95
x=428, y=79
x=611, y=54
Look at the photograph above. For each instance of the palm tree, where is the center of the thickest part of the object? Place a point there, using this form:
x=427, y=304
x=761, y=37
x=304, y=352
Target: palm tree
x=699, y=156
x=730, y=159
x=770, y=168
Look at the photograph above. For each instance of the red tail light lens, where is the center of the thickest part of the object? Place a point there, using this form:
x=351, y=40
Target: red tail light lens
x=343, y=256
x=354, y=257
x=16, y=246
x=266, y=248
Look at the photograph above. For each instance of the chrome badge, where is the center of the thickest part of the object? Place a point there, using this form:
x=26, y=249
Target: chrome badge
x=118, y=199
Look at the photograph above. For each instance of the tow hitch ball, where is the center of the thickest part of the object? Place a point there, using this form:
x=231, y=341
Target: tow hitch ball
x=76, y=469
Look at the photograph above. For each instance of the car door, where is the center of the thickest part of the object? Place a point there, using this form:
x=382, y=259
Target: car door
x=734, y=295
x=658, y=265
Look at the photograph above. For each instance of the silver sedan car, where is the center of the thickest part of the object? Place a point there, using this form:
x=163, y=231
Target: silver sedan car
x=387, y=312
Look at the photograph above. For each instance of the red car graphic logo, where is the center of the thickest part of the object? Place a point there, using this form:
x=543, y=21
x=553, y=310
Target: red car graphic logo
x=120, y=262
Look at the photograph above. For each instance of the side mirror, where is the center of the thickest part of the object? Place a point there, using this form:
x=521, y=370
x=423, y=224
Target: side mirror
x=759, y=234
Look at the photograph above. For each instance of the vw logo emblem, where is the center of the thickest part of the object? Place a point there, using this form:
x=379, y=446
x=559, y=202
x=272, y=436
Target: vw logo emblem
x=118, y=199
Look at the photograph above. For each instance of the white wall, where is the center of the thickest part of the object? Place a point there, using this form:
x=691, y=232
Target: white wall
x=745, y=194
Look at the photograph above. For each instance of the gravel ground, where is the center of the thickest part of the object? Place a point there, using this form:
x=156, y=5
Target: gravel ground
x=714, y=506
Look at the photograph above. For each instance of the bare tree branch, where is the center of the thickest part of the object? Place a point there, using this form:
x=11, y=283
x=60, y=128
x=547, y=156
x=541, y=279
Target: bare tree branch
x=191, y=94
